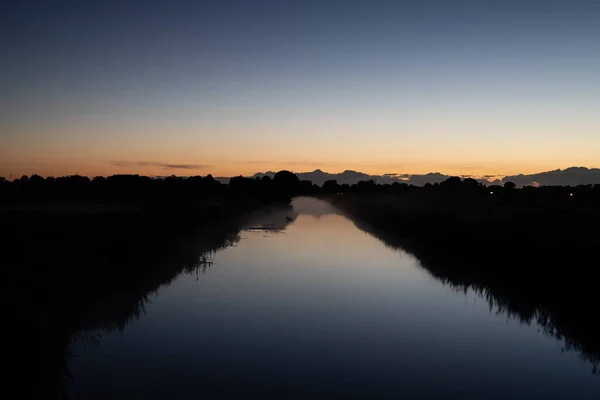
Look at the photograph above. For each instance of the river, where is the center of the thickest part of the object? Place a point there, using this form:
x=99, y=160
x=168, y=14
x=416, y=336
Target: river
x=306, y=305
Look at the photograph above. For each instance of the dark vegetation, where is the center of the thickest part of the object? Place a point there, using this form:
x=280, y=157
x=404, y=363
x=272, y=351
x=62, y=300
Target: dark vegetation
x=531, y=252
x=81, y=256
x=72, y=285
x=141, y=192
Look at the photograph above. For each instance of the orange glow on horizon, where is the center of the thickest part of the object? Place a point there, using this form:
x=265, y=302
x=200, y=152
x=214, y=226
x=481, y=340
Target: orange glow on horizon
x=93, y=168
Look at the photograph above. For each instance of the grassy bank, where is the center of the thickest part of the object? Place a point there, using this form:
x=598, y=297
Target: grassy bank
x=536, y=263
x=69, y=272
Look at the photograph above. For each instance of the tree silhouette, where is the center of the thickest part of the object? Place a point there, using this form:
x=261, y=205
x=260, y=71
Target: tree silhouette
x=286, y=183
x=470, y=184
x=452, y=183
x=509, y=185
x=286, y=178
x=331, y=186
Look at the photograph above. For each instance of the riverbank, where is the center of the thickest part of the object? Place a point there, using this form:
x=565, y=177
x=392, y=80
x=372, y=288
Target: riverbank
x=70, y=271
x=538, y=264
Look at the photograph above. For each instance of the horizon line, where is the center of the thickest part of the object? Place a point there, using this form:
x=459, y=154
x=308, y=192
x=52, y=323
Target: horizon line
x=398, y=176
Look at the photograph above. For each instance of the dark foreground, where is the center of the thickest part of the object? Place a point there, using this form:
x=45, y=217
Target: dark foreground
x=82, y=258
x=69, y=274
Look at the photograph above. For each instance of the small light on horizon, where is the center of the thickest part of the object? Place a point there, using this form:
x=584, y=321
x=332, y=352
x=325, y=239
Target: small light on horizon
x=571, y=194
x=491, y=192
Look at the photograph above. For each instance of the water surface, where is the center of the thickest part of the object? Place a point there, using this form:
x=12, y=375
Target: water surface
x=323, y=309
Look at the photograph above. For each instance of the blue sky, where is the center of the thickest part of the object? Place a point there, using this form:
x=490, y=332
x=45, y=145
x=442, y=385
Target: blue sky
x=458, y=87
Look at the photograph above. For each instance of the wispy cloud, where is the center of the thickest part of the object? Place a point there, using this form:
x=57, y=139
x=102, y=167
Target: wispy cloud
x=291, y=163
x=158, y=164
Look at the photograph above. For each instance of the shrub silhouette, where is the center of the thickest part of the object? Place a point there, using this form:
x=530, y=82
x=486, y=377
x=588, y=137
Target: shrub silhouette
x=453, y=183
x=285, y=183
x=331, y=186
x=470, y=184
x=509, y=186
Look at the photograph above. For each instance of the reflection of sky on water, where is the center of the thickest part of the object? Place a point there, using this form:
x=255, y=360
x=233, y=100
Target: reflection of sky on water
x=325, y=310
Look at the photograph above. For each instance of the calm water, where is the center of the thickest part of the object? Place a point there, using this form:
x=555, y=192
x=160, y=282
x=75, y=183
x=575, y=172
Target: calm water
x=323, y=309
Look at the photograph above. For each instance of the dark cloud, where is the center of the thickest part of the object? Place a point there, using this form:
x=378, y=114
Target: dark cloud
x=570, y=176
x=567, y=177
x=158, y=164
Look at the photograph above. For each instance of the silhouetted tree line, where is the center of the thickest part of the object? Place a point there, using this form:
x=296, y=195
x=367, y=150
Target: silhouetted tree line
x=36, y=189
x=468, y=190
x=451, y=184
x=117, y=187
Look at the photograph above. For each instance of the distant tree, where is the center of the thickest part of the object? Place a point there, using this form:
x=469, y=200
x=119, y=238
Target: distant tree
x=306, y=187
x=495, y=189
x=368, y=186
x=98, y=184
x=36, y=179
x=451, y=183
x=286, y=178
x=470, y=184
x=285, y=183
x=242, y=186
x=331, y=186
x=509, y=185
x=398, y=187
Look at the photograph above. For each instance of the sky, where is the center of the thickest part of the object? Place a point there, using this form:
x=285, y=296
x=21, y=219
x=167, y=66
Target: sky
x=236, y=87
